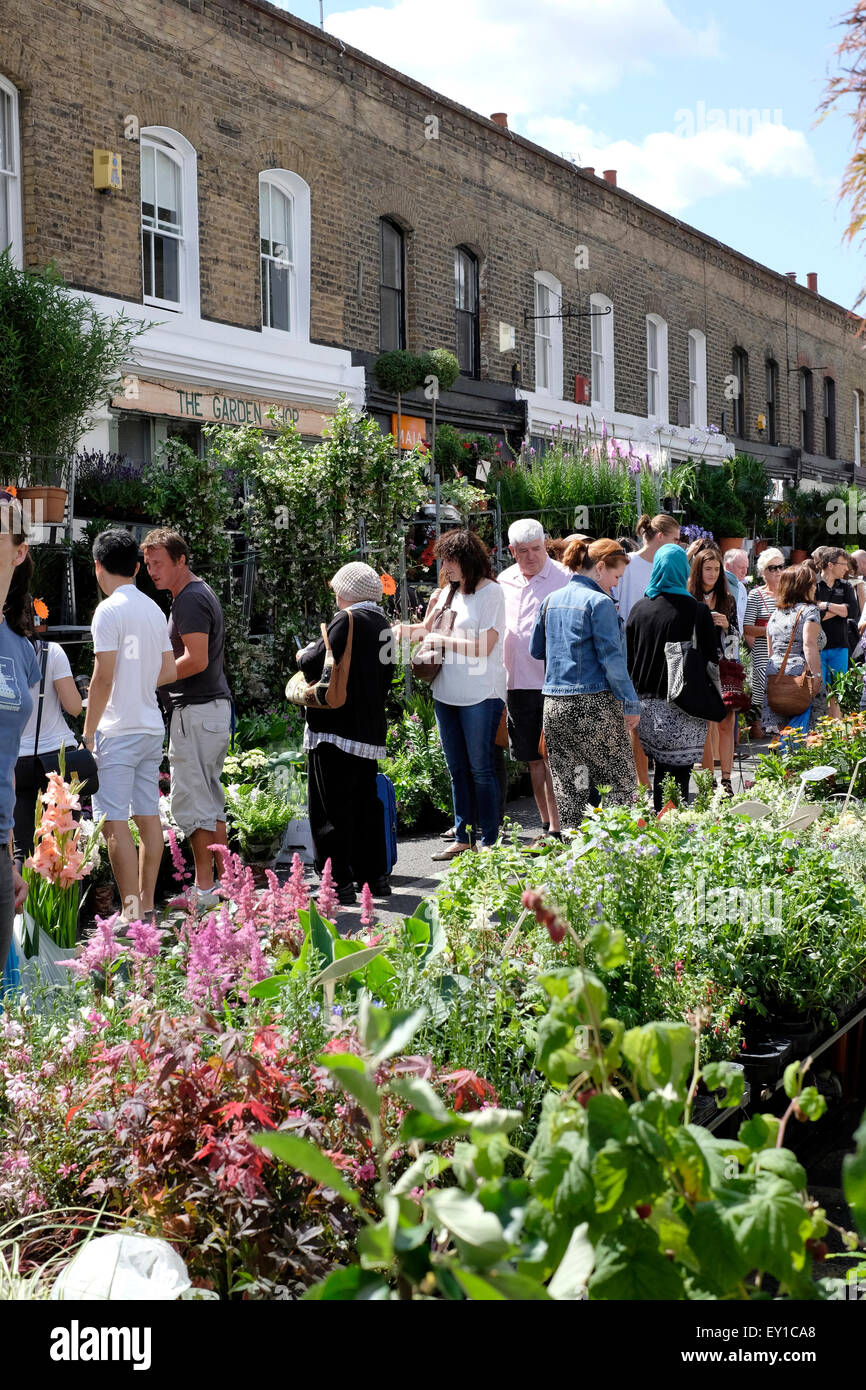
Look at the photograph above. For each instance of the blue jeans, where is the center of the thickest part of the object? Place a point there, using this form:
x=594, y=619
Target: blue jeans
x=468, y=734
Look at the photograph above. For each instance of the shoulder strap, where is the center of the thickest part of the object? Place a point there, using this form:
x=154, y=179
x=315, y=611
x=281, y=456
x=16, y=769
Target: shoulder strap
x=43, y=661
x=452, y=590
x=790, y=644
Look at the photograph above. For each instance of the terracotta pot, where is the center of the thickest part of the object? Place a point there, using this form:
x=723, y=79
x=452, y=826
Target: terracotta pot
x=45, y=505
x=760, y=546
x=798, y=556
x=731, y=543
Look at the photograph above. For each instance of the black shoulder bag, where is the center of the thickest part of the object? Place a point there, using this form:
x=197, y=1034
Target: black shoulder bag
x=77, y=760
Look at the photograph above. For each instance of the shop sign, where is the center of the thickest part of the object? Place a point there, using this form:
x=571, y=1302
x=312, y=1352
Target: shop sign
x=208, y=406
x=412, y=431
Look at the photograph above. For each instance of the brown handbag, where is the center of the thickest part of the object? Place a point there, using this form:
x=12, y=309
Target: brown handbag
x=789, y=696
x=427, y=668
x=329, y=691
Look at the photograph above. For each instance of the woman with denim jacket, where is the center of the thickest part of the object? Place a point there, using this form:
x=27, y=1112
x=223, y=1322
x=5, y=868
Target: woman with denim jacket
x=589, y=701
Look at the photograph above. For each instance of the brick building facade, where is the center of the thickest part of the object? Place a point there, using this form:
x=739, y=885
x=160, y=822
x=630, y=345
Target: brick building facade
x=389, y=187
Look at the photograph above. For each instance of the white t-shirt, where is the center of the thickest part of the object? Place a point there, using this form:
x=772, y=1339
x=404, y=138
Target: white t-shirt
x=467, y=680
x=54, y=729
x=632, y=584
x=132, y=625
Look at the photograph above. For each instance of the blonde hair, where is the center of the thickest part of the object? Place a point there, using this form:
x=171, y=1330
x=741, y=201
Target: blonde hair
x=662, y=525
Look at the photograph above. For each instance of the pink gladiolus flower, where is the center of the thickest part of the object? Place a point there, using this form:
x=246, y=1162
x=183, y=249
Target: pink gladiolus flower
x=327, y=898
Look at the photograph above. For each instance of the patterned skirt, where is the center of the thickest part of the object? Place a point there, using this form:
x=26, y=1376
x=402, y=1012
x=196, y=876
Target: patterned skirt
x=669, y=735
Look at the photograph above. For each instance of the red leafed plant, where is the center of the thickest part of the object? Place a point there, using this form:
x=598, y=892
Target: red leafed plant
x=468, y=1090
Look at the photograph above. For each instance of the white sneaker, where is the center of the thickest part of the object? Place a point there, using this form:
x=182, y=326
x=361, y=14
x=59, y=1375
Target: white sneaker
x=206, y=900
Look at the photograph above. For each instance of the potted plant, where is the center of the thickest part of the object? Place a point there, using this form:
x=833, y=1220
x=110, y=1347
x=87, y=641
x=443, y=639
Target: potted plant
x=399, y=371
x=443, y=365
x=714, y=505
x=109, y=485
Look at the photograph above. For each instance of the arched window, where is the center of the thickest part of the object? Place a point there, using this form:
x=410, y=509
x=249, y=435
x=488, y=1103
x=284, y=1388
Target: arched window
x=466, y=302
x=829, y=417
x=10, y=173
x=739, y=364
x=697, y=378
x=601, y=352
x=657, y=368
x=548, y=334
x=169, y=220
x=807, y=411
x=284, y=252
x=392, y=286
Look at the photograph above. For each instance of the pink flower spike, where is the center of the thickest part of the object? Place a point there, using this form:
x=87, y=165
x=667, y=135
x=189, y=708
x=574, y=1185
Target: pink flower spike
x=327, y=898
x=366, y=906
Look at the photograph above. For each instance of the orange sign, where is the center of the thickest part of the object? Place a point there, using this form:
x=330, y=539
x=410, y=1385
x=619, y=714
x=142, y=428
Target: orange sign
x=412, y=431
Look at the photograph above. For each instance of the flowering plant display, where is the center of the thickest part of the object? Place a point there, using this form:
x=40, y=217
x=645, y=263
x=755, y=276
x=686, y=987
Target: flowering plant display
x=59, y=862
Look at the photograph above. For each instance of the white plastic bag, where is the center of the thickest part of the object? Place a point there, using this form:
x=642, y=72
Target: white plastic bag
x=43, y=968
x=122, y=1268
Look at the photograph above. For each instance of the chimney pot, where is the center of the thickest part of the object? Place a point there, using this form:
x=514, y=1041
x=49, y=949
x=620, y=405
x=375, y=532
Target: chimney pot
x=500, y=118
x=812, y=280
x=609, y=176
x=791, y=275
x=588, y=169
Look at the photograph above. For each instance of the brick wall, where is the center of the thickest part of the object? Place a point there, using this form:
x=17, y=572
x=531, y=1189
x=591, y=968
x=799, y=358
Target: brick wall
x=252, y=88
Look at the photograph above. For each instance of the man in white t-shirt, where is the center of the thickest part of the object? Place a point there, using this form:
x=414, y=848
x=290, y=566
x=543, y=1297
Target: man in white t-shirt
x=124, y=726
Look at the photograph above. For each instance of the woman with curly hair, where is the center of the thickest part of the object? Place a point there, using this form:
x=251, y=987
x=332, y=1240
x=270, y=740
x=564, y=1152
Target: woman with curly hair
x=709, y=585
x=469, y=689
x=19, y=672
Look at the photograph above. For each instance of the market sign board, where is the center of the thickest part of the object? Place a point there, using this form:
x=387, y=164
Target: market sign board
x=412, y=431
x=209, y=406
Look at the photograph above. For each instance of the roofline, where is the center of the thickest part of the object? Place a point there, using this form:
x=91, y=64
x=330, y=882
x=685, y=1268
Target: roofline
x=293, y=21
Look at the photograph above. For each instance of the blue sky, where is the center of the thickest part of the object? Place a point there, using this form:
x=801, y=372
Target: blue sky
x=662, y=91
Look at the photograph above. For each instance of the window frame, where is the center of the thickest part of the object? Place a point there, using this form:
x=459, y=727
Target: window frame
x=473, y=370
x=830, y=450
x=659, y=372
x=807, y=411
x=601, y=353
x=551, y=339
x=10, y=180
x=858, y=426
x=771, y=395
x=697, y=348
x=297, y=190
x=400, y=289
x=179, y=149
x=739, y=370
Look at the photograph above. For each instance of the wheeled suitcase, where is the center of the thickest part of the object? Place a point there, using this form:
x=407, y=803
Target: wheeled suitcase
x=385, y=788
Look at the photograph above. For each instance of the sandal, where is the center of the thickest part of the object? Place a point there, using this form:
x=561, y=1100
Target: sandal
x=727, y=786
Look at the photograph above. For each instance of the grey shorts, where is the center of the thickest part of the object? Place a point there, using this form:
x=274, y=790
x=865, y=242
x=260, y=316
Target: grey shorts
x=128, y=775
x=198, y=743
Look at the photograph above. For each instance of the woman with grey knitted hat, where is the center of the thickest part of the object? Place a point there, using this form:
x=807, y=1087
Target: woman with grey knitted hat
x=344, y=745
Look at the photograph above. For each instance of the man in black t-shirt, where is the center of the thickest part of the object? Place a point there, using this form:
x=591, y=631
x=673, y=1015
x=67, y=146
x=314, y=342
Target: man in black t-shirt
x=199, y=700
x=836, y=602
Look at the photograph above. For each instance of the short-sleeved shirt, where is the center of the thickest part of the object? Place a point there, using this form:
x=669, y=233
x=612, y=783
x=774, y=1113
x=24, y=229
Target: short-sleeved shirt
x=632, y=585
x=467, y=680
x=132, y=625
x=523, y=598
x=53, y=730
x=197, y=609
x=836, y=628
x=19, y=671
x=782, y=624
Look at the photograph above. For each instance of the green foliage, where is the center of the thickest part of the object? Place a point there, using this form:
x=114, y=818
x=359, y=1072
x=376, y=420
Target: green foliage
x=443, y=365
x=399, y=371
x=751, y=485
x=193, y=495
x=258, y=816
x=416, y=764
x=59, y=360
x=847, y=686
x=712, y=502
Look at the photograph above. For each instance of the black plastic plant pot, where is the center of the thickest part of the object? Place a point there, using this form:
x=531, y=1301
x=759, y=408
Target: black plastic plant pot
x=766, y=1060
x=801, y=1029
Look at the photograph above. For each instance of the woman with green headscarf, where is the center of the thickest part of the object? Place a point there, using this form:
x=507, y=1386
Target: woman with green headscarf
x=667, y=613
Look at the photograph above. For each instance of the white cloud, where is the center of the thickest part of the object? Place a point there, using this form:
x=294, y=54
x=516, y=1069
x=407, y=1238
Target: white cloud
x=672, y=170
x=495, y=55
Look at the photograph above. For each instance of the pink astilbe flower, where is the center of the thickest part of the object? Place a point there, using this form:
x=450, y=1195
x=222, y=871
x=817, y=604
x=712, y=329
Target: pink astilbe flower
x=297, y=885
x=327, y=898
x=236, y=881
x=100, y=949
x=366, y=906
x=146, y=939
x=181, y=872
x=276, y=913
x=224, y=955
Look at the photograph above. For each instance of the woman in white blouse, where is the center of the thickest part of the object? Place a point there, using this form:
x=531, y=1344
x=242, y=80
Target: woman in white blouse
x=469, y=690
x=61, y=693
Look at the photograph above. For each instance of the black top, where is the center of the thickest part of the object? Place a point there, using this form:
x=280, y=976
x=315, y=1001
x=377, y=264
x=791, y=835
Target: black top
x=836, y=628
x=665, y=618
x=362, y=717
x=197, y=609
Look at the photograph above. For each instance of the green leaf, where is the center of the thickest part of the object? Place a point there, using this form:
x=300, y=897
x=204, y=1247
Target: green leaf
x=322, y=934
x=624, y=1176
x=418, y=935
x=476, y=1233
x=374, y=1246
x=811, y=1103
x=335, y=1060
x=351, y=1284
x=425, y=1169
x=768, y=1218
x=351, y=963
x=759, y=1132
x=362, y=1087
x=428, y=911
x=793, y=1079
x=609, y=946
x=575, y=1267
x=493, y=1120
x=717, y=1074
x=854, y=1179
x=783, y=1163
x=421, y=1095
x=660, y=1053
x=386, y=1032
x=712, y=1237
x=499, y=1286
x=299, y=1153
x=555, y=983
x=269, y=988
x=417, y=1125
x=607, y=1118
x=629, y=1266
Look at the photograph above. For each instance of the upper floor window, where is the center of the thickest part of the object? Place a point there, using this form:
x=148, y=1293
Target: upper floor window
x=548, y=334
x=169, y=220
x=392, y=287
x=466, y=301
x=284, y=252
x=657, y=368
x=771, y=394
x=739, y=361
x=10, y=178
x=829, y=417
x=697, y=378
x=601, y=352
x=807, y=411
x=858, y=425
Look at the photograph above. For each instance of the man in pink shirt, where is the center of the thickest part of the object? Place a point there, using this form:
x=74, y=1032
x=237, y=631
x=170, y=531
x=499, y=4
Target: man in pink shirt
x=525, y=586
